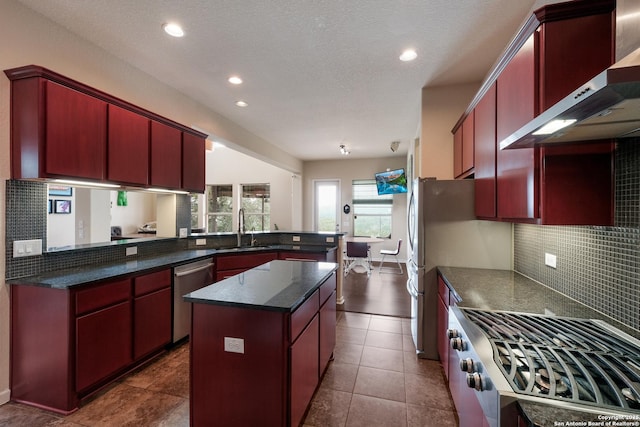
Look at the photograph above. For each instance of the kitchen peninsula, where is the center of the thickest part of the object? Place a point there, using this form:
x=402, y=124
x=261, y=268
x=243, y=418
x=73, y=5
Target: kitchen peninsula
x=260, y=341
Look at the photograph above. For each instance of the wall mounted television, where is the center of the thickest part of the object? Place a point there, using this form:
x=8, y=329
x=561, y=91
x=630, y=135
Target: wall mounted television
x=391, y=182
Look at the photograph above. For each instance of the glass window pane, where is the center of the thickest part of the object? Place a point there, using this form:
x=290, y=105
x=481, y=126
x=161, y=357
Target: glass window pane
x=256, y=202
x=371, y=213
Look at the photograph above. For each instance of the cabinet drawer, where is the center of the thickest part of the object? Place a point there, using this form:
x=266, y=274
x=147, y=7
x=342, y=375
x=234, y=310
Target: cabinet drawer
x=232, y=262
x=327, y=288
x=102, y=296
x=443, y=291
x=151, y=282
x=301, y=256
x=303, y=315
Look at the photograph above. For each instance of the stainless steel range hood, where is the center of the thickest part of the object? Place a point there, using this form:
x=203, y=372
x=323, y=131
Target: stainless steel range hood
x=607, y=106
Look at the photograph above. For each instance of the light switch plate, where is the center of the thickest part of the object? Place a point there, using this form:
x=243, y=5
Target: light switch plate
x=296, y=238
x=131, y=250
x=183, y=232
x=330, y=240
x=27, y=247
x=201, y=242
x=234, y=345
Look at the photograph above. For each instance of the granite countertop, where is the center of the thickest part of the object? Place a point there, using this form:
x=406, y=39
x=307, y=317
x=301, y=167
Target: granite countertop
x=67, y=278
x=274, y=286
x=507, y=290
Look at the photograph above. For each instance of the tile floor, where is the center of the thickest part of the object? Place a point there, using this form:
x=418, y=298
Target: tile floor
x=374, y=380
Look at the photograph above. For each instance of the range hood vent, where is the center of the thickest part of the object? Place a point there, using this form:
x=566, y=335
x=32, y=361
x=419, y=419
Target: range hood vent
x=607, y=106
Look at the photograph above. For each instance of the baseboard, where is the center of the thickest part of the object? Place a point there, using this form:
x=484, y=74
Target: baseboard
x=5, y=396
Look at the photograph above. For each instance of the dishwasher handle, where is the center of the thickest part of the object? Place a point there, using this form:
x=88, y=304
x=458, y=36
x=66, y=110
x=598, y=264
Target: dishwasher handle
x=193, y=270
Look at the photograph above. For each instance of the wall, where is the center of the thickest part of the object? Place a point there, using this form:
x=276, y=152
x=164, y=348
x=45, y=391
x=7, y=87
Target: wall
x=597, y=266
x=228, y=166
x=441, y=108
x=140, y=209
x=346, y=170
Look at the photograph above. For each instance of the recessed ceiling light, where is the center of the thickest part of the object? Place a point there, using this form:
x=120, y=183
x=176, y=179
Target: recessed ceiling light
x=235, y=80
x=408, y=55
x=241, y=104
x=173, y=30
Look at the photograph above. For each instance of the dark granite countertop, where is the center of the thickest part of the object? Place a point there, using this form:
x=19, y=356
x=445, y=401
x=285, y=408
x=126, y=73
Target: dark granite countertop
x=67, y=278
x=275, y=286
x=506, y=290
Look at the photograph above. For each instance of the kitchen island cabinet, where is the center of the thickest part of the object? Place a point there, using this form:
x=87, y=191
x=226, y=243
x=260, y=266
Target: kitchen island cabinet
x=259, y=343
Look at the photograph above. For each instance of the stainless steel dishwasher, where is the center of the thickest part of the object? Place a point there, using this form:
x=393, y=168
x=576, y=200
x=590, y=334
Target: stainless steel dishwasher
x=187, y=278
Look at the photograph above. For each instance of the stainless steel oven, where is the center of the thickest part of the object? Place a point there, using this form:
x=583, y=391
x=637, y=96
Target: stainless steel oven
x=581, y=365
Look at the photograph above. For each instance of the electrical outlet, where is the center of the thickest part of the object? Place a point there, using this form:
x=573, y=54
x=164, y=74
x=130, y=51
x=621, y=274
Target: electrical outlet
x=131, y=250
x=201, y=242
x=234, y=345
x=27, y=247
x=183, y=232
x=550, y=260
x=296, y=238
x=330, y=240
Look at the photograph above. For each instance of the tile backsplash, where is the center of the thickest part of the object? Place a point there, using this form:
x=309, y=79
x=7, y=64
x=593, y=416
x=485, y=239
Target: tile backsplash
x=598, y=266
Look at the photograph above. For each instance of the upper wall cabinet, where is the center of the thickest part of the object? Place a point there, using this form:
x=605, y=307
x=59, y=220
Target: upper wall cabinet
x=61, y=128
x=128, y=145
x=463, y=140
x=559, y=48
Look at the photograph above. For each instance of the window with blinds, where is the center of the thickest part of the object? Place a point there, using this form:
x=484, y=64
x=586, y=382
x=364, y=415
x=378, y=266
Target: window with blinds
x=371, y=213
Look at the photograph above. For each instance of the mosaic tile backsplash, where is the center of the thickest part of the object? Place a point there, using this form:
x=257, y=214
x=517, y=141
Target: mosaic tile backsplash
x=598, y=266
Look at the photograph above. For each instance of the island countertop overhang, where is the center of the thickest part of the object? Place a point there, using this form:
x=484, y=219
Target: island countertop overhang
x=274, y=286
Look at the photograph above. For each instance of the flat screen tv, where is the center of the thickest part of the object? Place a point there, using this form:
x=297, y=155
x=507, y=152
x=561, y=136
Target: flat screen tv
x=391, y=182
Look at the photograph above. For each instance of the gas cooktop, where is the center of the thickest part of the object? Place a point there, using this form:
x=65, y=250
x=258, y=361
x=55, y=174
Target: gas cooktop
x=574, y=360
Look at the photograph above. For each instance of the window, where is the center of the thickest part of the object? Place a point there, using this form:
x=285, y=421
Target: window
x=326, y=205
x=219, y=208
x=256, y=202
x=371, y=213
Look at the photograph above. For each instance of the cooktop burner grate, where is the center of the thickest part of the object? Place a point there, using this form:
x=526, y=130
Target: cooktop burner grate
x=568, y=359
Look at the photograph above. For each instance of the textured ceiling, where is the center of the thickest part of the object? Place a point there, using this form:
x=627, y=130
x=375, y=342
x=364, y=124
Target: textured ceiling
x=317, y=73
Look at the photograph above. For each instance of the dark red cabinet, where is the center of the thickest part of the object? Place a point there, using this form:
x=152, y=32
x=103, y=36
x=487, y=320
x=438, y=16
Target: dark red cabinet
x=485, y=155
x=230, y=265
x=304, y=370
x=457, y=152
x=103, y=344
x=560, y=47
x=166, y=156
x=128, y=147
x=61, y=128
x=151, y=313
x=193, y=163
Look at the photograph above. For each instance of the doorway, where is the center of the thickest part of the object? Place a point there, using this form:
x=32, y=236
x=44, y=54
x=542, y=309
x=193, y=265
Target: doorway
x=326, y=202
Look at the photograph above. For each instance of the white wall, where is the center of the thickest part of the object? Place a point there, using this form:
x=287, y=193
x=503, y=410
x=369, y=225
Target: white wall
x=227, y=166
x=346, y=170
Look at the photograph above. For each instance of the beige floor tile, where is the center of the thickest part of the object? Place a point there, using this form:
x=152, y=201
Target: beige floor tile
x=366, y=411
x=428, y=391
x=340, y=376
x=423, y=416
x=415, y=365
x=380, y=383
x=385, y=324
x=350, y=335
x=355, y=320
x=328, y=408
x=382, y=358
x=383, y=340
x=347, y=353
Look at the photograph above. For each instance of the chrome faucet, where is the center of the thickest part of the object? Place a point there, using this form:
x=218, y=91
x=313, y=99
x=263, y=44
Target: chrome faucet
x=253, y=241
x=240, y=226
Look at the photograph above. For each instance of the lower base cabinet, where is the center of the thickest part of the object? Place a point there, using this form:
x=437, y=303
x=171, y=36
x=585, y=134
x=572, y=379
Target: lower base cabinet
x=68, y=343
x=304, y=370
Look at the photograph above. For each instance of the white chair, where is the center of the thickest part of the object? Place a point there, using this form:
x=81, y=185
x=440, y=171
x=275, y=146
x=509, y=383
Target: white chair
x=393, y=252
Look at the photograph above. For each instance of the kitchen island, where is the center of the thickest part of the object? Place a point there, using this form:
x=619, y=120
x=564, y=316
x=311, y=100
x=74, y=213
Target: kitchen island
x=260, y=341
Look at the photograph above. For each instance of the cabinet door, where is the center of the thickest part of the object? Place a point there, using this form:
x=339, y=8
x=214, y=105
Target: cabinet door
x=485, y=155
x=76, y=133
x=517, y=171
x=166, y=156
x=327, y=331
x=103, y=344
x=304, y=370
x=468, y=139
x=151, y=322
x=193, y=163
x=457, y=152
x=128, y=147
x=301, y=256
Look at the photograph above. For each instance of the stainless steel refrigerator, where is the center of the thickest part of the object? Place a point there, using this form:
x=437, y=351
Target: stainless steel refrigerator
x=443, y=231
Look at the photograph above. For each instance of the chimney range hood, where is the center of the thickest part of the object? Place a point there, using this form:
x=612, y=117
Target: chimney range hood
x=607, y=106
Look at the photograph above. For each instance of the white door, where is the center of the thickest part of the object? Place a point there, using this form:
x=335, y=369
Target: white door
x=326, y=202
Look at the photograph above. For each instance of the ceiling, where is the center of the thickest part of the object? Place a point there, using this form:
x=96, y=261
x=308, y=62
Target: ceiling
x=317, y=73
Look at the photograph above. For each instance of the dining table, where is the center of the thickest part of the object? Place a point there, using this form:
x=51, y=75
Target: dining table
x=361, y=261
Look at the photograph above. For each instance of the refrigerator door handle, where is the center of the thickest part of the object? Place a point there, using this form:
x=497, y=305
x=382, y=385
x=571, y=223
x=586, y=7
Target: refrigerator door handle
x=412, y=291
